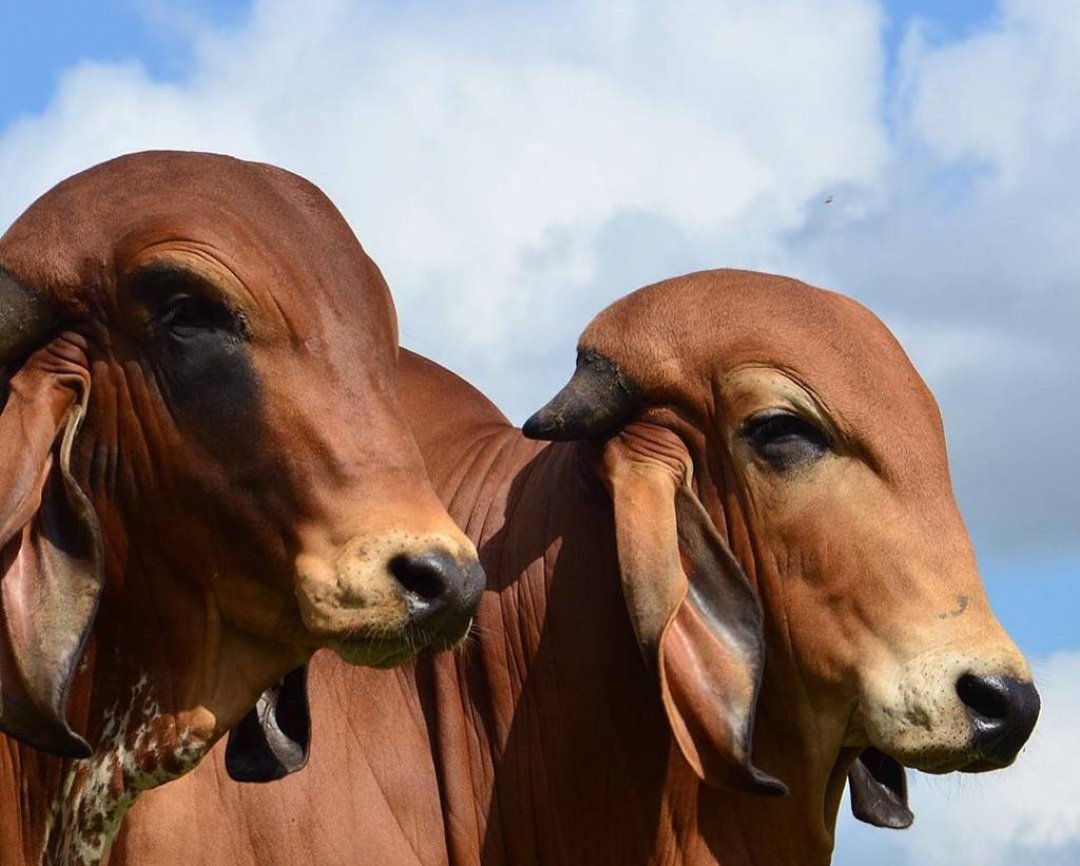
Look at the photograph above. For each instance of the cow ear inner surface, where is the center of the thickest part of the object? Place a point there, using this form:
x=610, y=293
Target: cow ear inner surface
x=879, y=794
x=696, y=617
x=274, y=739
x=51, y=562
x=712, y=656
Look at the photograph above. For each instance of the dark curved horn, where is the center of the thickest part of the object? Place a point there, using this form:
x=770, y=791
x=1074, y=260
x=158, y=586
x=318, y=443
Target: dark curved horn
x=24, y=317
x=597, y=399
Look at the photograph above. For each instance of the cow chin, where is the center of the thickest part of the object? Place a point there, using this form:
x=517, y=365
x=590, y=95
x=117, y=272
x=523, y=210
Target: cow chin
x=913, y=712
x=380, y=653
x=388, y=651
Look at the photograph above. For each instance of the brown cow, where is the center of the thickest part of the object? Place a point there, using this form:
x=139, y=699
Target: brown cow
x=748, y=445
x=204, y=476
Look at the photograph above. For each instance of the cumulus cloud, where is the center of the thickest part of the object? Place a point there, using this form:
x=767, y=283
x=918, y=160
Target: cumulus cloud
x=483, y=152
x=513, y=168
x=1028, y=814
x=970, y=253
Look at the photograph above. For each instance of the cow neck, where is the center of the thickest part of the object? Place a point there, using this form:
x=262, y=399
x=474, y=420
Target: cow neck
x=28, y=780
x=147, y=723
x=553, y=653
x=63, y=811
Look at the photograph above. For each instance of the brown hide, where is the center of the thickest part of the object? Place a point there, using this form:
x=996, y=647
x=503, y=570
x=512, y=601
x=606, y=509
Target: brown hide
x=549, y=740
x=204, y=477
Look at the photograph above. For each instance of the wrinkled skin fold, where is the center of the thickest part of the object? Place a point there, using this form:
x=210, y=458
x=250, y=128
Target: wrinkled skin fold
x=605, y=714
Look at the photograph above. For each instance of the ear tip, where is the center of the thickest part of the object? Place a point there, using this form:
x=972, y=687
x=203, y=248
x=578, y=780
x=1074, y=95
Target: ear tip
x=892, y=819
x=79, y=748
x=46, y=734
x=760, y=782
x=68, y=744
x=56, y=740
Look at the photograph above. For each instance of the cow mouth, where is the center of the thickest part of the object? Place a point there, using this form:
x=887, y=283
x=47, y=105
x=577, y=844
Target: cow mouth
x=388, y=651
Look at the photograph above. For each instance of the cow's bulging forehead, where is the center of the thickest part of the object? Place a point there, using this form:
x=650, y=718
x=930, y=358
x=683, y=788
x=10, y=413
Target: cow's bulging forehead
x=684, y=339
x=273, y=233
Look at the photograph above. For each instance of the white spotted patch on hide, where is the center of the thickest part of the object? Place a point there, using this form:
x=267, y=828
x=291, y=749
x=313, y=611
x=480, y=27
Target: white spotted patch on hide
x=139, y=749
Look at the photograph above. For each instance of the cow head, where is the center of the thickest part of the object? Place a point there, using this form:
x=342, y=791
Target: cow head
x=779, y=478
x=204, y=472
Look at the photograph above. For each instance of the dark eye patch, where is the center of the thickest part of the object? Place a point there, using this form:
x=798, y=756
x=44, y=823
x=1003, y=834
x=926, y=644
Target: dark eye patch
x=785, y=440
x=200, y=349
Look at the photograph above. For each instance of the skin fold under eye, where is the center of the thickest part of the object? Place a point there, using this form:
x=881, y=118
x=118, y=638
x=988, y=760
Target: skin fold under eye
x=784, y=440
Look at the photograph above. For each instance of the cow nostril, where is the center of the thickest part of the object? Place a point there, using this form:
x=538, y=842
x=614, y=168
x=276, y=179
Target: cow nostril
x=423, y=576
x=985, y=696
x=1003, y=712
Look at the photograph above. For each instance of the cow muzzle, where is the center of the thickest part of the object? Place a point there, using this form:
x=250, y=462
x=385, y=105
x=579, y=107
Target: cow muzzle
x=380, y=601
x=949, y=710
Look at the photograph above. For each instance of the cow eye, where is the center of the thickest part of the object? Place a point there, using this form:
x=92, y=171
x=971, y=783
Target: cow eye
x=185, y=316
x=784, y=440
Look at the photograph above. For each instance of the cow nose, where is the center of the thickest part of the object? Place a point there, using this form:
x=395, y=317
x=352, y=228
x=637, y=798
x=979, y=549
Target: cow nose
x=1003, y=711
x=437, y=588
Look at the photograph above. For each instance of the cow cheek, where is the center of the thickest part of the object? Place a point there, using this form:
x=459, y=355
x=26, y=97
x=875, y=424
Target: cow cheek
x=353, y=595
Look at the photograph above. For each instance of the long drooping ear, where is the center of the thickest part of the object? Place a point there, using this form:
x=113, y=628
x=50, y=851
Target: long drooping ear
x=694, y=612
x=50, y=553
x=274, y=739
x=878, y=787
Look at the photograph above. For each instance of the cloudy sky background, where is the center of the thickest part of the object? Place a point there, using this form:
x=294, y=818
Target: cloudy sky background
x=513, y=167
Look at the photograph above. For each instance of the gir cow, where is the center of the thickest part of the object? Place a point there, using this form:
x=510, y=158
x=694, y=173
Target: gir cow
x=205, y=475
x=740, y=578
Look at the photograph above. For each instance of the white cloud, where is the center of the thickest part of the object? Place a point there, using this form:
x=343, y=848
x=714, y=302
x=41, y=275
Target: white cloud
x=998, y=95
x=463, y=140
x=515, y=167
x=970, y=249
x=1028, y=814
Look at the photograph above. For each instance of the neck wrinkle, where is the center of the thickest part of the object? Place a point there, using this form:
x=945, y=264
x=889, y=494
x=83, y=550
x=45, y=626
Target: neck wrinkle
x=24, y=807
x=556, y=653
x=553, y=707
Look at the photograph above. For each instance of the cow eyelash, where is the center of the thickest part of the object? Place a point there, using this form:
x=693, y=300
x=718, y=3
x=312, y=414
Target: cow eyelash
x=785, y=440
x=185, y=315
x=181, y=305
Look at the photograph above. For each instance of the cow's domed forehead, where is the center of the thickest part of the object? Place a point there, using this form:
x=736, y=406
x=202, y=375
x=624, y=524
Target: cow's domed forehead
x=705, y=323
x=250, y=213
x=679, y=340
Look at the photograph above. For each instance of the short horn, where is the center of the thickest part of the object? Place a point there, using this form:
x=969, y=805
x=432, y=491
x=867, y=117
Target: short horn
x=598, y=398
x=24, y=317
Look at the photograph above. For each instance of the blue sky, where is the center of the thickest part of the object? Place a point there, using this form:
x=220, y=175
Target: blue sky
x=516, y=165
x=56, y=34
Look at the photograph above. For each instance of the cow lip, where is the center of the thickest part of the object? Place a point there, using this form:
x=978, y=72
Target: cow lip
x=450, y=644
x=387, y=651
x=965, y=763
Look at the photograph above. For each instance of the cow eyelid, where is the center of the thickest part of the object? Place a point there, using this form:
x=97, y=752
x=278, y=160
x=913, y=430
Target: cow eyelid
x=784, y=439
x=168, y=291
x=190, y=312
